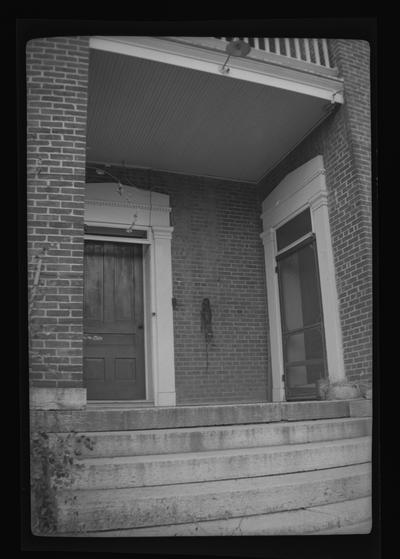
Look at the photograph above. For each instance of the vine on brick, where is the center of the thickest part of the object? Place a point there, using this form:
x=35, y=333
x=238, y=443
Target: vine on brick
x=53, y=468
x=35, y=329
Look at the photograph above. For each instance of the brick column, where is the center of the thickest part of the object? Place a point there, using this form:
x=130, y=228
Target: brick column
x=350, y=205
x=344, y=141
x=57, y=84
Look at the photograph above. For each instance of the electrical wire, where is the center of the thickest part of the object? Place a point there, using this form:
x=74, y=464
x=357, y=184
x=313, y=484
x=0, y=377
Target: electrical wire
x=100, y=171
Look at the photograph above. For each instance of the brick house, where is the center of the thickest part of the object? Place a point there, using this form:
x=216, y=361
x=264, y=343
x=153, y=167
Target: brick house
x=199, y=246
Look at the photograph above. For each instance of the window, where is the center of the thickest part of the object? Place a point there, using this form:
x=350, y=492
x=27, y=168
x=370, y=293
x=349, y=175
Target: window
x=293, y=229
x=116, y=232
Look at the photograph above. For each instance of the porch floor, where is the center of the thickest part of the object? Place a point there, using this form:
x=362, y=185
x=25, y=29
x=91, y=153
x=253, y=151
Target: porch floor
x=99, y=417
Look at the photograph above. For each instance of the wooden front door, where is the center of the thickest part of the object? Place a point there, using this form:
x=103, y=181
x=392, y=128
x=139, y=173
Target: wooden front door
x=113, y=321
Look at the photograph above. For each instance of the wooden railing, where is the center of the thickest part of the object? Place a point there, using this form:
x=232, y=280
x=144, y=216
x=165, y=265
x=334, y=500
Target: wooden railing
x=314, y=51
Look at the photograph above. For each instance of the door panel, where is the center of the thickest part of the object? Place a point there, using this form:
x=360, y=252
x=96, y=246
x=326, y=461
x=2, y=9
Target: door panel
x=113, y=321
x=94, y=281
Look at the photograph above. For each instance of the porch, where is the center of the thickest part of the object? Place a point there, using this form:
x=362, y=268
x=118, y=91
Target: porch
x=194, y=143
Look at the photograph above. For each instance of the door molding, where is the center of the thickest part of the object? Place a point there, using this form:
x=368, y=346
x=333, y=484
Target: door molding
x=302, y=188
x=107, y=206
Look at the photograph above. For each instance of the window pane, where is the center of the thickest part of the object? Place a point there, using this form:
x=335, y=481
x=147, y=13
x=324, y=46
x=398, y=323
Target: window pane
x=313, y=342
x=315, y=372
x=299, y=289
x=304, y=376
x=115, y=232
x=304, y=345
x=294, y=229
x=297, y=376
x=295, y=348
x=309, y=286
x=291, y=292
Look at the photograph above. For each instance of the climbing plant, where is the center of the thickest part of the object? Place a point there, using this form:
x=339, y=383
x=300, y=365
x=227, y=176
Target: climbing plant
x=36, y=328
x=54, y=464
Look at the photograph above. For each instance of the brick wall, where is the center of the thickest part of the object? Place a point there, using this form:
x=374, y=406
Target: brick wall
x=57, y=74
x=344, y=141
x=216, y=253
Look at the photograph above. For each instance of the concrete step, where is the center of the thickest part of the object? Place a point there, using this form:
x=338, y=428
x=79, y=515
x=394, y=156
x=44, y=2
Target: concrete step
x=360, y=408
x=196, y=439
x=118, y=509
x=140, y=471
x=344, y=517
x=139, y=418
x=358, y=528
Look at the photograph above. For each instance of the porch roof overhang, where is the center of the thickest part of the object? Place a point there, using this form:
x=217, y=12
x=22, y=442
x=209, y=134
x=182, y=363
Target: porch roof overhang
x=162, y=104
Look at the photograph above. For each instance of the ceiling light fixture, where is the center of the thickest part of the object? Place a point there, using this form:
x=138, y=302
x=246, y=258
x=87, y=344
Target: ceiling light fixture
x=236, y=48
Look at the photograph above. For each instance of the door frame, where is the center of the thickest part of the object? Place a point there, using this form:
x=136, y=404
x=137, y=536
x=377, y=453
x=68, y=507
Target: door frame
x=303, y=188
x=104, y=207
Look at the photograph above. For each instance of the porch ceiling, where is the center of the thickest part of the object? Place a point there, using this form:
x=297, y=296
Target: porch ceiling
x=148, y=114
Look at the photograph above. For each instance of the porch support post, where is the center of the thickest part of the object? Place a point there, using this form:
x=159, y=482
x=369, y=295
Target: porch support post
x=278, y=389
x=162, y=319
x=333, y=337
